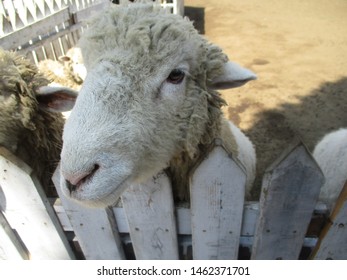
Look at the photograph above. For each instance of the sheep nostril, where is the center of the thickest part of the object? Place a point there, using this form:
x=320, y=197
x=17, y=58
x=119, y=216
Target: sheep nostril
x=96, y=167
x=70, y=186
x=76, y=181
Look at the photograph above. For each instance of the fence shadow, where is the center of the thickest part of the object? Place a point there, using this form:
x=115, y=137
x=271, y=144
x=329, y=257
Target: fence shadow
x=318, y=113
x=2, y=200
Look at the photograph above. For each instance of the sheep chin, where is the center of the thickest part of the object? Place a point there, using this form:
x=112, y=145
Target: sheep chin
x=88, y=195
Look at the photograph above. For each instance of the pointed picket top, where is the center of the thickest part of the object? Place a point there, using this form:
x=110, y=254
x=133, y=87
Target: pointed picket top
x=43, y=7
x=28, y=211
x=31, y=11
x=3, y=19
x=289, y=194
x=217, y=199
x=332, y=243
x=12, y=15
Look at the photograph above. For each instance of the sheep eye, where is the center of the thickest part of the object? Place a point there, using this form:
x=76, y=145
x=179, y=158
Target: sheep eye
x=176, y=76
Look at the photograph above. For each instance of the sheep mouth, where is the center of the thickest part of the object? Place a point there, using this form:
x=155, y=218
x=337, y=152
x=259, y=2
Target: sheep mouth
x=86, y=191
x=85, y=179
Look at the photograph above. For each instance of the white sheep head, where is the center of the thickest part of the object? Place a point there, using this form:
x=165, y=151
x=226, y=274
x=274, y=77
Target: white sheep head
x=147, y=97
x=73, y=62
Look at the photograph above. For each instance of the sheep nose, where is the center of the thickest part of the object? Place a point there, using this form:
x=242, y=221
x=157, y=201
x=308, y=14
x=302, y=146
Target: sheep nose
x=74, y=181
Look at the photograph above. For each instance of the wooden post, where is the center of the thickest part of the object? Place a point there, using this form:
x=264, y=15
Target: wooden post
x=332, y=243
x=289, y=194
x=149, y=209
x=217, y=199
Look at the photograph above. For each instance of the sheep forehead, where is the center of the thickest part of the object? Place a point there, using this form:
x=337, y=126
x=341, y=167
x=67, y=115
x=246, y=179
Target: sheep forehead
x=124, y=101
x=110, y=86
x=145, y=35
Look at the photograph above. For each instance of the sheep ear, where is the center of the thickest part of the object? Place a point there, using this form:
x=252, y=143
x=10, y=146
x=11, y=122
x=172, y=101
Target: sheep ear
x=233, y=75
x=56, y=99
x=64, y=58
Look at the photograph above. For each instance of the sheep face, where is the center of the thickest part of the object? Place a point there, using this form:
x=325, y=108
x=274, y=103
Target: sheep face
x=122, y=131
x=73, y=62
x=146, y=98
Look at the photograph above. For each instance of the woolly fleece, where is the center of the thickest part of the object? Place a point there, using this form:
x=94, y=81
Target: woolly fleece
x=30, y=133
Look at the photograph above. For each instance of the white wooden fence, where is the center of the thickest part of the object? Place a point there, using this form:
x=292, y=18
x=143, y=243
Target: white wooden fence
x=215, y=225
x=46, y=29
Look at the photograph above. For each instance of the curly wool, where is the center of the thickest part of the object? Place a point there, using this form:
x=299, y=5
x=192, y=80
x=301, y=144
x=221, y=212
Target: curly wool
x=27, y=131
x=58, y=74
x=133, y=31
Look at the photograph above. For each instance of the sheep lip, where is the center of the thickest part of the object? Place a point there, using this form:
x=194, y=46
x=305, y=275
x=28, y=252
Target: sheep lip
x=116, y=192
x=89, y=177
x=77, y=182
x=84, y=180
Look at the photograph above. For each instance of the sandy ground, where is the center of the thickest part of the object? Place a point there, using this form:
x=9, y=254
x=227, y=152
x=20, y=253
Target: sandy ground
x=298, y=49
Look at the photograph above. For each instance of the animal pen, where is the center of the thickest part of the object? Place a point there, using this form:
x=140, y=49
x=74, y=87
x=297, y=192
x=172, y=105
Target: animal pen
x=286, y=223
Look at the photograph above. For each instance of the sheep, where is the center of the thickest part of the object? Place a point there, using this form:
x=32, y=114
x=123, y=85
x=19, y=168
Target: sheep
x=331, y=155
x=148, y=103
x=69, y=71
x=28, y=129
x=73, y=62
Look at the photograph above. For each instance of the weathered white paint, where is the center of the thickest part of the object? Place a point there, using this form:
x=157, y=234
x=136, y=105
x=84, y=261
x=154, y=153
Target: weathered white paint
x=28, y=211
x=149, y=209
x=249, y=218
x=183, y=219
x=333, y=240
x=289, y=194
x=217, y=199
x=62, y=216
x=97, y=238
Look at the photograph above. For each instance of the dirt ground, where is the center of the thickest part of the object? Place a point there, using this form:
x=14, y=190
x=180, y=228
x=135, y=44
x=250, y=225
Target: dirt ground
x=298, y=49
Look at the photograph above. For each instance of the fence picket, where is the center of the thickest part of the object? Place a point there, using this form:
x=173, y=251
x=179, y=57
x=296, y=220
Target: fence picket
x=91, y=225
x=217, y=199
x=44, y=26
x=11, y=14
x=289, y=194
x=28, y=211
x=149, y=209
x=332, y=243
